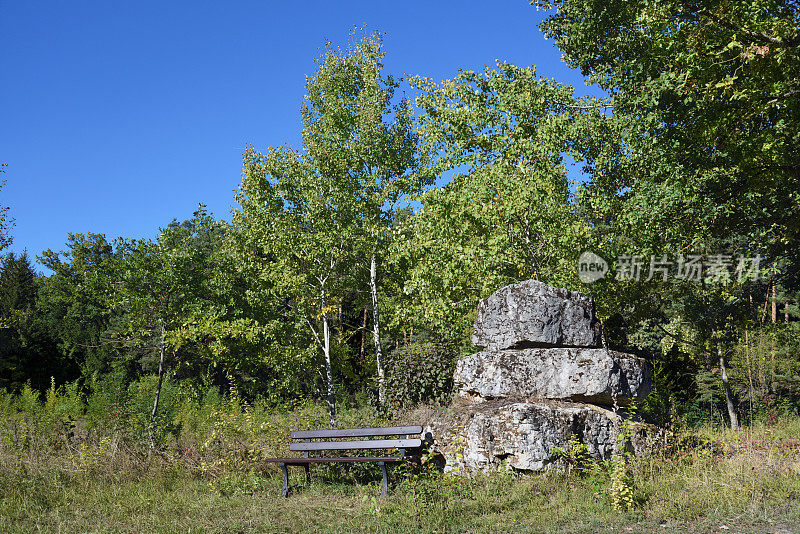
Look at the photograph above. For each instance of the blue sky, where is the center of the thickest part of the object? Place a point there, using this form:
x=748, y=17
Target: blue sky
x=120, y=116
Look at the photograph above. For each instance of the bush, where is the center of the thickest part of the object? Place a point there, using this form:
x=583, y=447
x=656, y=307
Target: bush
x=140, y=405
x=419, y=372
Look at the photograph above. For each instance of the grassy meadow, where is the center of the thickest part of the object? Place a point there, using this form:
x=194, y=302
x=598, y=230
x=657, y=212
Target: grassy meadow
x=75, y=464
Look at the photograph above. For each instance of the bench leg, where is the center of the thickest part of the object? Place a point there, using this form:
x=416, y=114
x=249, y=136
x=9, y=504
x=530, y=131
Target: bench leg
x=285, y=490
x=308, y=473
x=385, y=487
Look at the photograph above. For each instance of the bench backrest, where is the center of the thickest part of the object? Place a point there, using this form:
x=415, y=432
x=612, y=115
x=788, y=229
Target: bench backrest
x=337, y=440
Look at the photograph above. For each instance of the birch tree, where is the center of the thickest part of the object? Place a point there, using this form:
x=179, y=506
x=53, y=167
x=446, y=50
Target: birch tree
x=320, y=215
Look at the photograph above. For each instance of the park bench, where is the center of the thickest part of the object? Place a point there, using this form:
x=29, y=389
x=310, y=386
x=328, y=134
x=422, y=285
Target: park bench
x=408, y=443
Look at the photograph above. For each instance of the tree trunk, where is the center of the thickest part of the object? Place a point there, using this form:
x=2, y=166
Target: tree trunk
x=158, y=389
x=363, y=338
x=376, y=330
x=326, y=348
x=774, y=312
x=749, y=371
x=728, y=394
x=341, y=322
x=774, y=302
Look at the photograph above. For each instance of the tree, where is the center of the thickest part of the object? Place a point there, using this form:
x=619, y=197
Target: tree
x=507, y=214
x=18, y=287
x=706, y=97
x=350, y=105
x=708, y=94
x=28, y=354
x=162, y=286
x=5, y=239
x=76, y=301
x=301, y=226
x=316, y=213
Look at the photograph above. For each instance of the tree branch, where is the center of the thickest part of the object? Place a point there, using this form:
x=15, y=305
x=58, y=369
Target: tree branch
x=582, y=108
x=314, y=331
x=756, y=36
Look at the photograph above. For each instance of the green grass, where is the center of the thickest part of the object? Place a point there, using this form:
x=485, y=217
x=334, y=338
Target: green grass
x=66, y=469
x=747, y=481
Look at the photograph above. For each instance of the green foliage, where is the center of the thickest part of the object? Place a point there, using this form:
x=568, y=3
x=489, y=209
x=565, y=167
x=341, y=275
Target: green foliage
x=419, y=372
x=64, y=404
x=576, y=456
x=28, y=353
x=507, y=213
x=308, y=217
x=75, y=301
x=695, y=151
x=163, y=283
x=705, y=99
x=107, y=479
x=718, y=77
x=621, y=488
x=139, y=404
x=5, y=222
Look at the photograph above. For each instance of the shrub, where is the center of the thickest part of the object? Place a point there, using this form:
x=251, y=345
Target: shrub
x=419, y=372
x=140, y=405
x=105, y=402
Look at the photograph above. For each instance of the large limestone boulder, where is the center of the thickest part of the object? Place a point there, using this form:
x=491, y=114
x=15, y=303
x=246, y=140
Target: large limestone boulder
x=524, y=435
x=578, y=374
x=533, y=314
x=542, y=379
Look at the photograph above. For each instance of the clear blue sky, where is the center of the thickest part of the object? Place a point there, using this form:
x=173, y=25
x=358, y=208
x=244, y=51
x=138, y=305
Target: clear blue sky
x=119, y=116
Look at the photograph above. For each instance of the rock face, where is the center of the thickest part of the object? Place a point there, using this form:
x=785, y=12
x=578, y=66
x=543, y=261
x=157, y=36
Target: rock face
x=542, y=379
x=585, y=375
x=533, y=314
x=522, y=435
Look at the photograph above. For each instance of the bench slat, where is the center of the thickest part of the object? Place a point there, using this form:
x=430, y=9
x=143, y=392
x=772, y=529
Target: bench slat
x=303, y=461
x=366, y=444
x=357, y=432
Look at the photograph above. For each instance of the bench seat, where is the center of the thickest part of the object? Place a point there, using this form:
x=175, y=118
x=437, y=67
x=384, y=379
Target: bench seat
x=301, y=461
x=408, y=447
